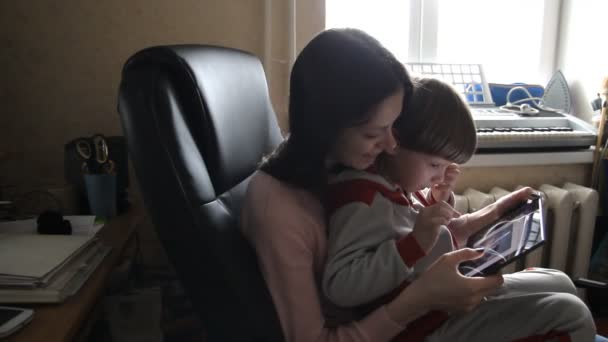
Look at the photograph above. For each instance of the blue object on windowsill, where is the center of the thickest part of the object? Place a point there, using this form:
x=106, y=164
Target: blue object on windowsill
x=499, y=92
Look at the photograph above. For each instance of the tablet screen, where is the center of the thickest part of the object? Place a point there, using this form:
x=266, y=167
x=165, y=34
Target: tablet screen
x=515, y=234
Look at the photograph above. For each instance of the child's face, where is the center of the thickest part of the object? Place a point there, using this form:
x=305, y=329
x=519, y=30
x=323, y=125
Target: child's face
x=358, y=146
x=414, y=171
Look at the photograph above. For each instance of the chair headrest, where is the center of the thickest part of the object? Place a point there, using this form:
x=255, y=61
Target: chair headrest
x=223, y=96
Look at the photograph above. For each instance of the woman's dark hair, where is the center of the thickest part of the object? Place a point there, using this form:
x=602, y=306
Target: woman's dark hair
x=437, y=122
x=335, y=82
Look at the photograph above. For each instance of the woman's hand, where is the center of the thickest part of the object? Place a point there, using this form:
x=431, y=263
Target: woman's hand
x=448, y=290
x=442, y=287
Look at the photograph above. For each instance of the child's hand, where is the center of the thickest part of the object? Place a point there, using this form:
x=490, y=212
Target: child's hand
x=460, y=230
x=443, y=191
x=469, y=224
x=428, y=221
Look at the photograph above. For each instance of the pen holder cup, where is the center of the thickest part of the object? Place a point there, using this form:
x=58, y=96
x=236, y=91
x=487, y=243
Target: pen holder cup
x=101, y=193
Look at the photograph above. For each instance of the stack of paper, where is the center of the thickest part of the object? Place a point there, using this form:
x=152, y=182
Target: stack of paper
x=38, y=268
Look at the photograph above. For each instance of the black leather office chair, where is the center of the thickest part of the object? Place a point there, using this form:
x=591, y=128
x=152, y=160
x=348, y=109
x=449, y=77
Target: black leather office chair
x=197, y=120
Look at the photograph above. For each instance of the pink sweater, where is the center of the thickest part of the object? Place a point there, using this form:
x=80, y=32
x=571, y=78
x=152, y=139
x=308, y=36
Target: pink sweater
x=287, y=228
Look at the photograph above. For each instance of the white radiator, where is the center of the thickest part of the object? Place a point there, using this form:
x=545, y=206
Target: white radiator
x=571, y=213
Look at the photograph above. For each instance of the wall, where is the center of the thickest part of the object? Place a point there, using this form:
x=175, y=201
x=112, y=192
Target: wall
x=61, y=66
x=309, y=20
x=582, y=51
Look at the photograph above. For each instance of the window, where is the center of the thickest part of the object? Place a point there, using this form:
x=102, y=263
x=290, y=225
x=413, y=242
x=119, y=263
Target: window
x=514, y=41
x=386, y=20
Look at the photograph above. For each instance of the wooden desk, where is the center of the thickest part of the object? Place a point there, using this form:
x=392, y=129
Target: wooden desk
x=62, y=322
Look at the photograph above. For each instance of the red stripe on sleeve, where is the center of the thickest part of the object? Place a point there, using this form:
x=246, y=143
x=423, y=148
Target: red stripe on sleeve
x=360, y=190
x=409, y=249
x=420, y=196
x=433, y=200
x=422, y=327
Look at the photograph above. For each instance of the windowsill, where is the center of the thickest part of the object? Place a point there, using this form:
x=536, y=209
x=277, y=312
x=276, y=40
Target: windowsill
x=531, y=158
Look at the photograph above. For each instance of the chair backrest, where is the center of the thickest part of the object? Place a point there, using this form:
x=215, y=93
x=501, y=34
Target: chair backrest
x=197, y=121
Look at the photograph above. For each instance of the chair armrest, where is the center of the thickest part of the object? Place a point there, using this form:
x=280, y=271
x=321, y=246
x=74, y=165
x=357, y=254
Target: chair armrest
x=589, y=284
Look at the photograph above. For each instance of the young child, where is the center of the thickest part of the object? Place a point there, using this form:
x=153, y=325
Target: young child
x=388, y=224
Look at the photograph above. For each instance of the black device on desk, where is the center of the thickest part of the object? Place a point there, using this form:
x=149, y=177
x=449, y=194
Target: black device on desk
x=514, y=235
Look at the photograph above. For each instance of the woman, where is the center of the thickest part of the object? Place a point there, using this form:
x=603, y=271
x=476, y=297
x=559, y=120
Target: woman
x=346, y=92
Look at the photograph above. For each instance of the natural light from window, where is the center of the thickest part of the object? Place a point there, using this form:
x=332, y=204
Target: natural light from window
x=386, y=20
x=503, y=36
x=506, y=37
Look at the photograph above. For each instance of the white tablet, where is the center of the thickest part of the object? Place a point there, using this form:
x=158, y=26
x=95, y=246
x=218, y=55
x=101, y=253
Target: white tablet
x=514, y=235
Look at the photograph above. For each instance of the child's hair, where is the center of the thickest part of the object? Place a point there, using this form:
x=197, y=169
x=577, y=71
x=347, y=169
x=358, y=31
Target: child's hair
x=335, y=82
x=437, y=121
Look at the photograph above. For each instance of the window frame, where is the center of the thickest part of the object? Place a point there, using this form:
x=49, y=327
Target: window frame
x=424, y=16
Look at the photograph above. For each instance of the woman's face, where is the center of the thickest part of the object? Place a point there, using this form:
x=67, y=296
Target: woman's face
x=358, y=146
